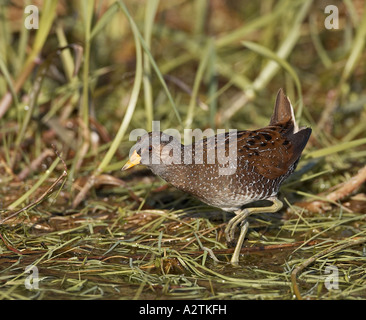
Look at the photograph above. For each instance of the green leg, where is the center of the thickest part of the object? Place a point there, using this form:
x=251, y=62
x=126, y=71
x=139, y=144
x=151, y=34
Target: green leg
x=239, y=244
x=241, y=217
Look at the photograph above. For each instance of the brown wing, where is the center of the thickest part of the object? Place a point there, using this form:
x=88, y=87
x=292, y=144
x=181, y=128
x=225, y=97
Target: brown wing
x=269, y=151
x=272, y=150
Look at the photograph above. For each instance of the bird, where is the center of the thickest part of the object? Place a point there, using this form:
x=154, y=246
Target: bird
x=232, y=169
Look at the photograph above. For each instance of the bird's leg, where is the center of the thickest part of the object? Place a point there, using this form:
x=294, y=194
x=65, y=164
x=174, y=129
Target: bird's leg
x=243, y=231
x=241, y=217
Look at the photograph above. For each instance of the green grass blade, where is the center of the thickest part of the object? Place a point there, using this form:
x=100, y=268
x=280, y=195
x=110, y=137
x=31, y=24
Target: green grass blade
x=357, y=48
x=334, y=149
x=197, y=81
x=104, y=20
x=150, y=12
x=132, y=103
x=25, y=196
x=153, y=63
x=283, y=63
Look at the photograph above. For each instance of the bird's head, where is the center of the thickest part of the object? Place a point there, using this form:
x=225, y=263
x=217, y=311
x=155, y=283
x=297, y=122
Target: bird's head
x=154, y=148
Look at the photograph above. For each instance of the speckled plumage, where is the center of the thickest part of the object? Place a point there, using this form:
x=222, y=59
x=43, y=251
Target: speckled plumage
x=265, y=158
x=258, y=163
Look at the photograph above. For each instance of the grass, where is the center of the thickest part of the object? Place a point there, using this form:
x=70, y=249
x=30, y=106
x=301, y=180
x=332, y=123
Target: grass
x=96, y=70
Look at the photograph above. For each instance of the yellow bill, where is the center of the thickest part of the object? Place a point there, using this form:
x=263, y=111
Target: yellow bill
x=134, y=160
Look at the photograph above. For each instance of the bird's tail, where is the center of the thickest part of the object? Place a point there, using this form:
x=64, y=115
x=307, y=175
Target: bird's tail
x=283, y=115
